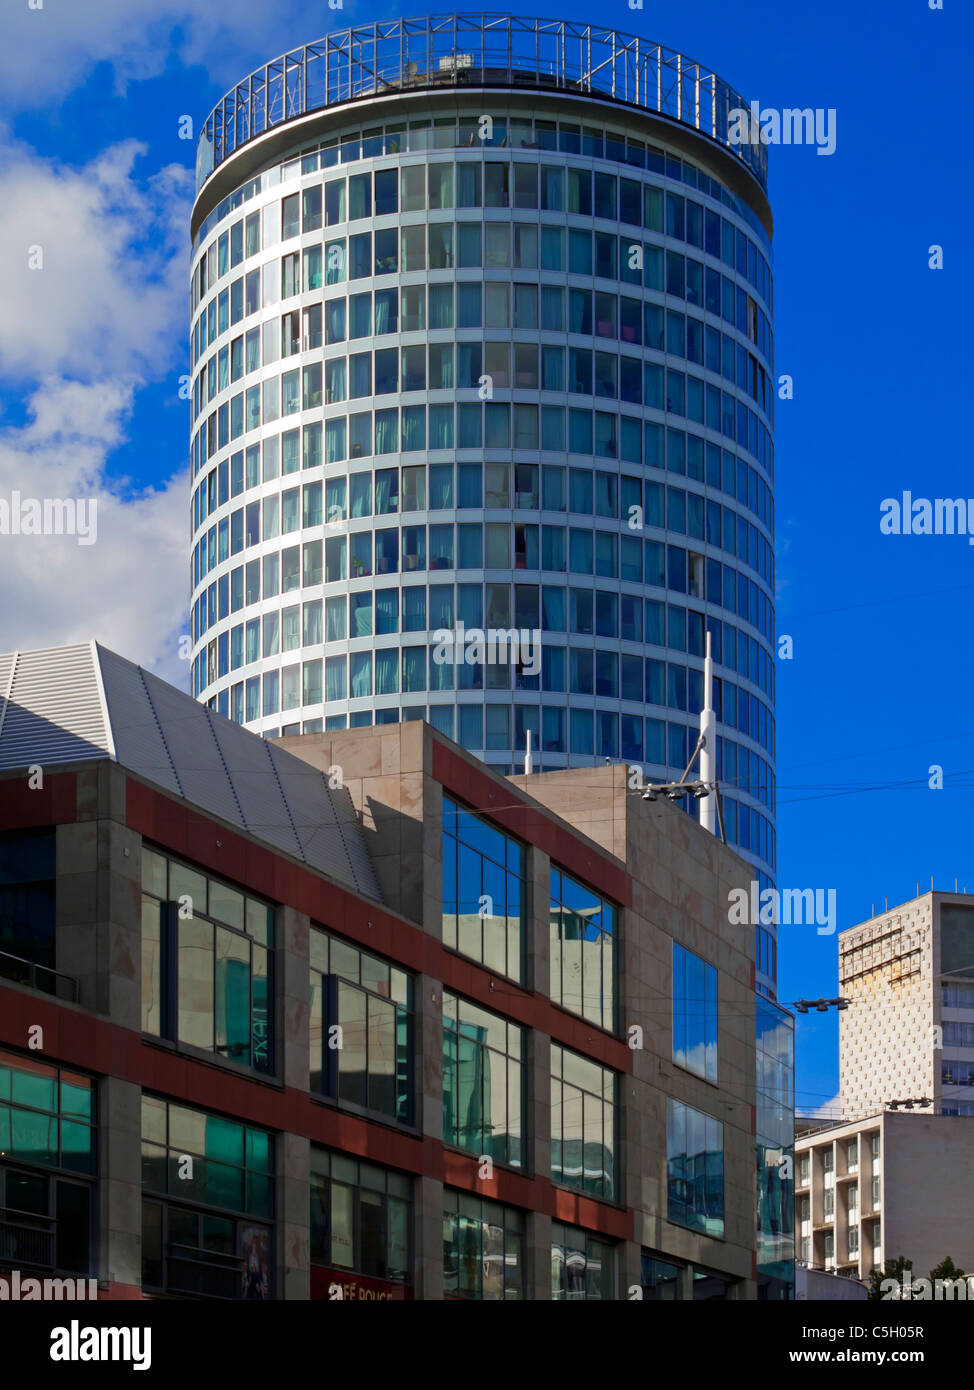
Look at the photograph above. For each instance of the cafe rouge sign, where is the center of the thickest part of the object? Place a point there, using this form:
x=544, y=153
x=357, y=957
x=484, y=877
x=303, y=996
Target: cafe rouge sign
x=336, y=1285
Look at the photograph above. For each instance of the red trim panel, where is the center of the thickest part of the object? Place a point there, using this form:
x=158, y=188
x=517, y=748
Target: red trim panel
x=525, y=820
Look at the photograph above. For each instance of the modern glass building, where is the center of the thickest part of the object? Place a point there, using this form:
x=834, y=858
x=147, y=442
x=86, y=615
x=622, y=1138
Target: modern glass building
x=481, y=342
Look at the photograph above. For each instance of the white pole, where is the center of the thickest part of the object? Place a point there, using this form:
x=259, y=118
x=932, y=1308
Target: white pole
x=708, y=761
x=528, y=765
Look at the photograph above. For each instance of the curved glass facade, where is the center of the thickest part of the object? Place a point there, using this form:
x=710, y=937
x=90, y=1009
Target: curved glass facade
x=457, y=373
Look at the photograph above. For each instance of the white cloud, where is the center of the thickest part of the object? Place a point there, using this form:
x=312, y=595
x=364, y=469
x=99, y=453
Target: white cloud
x=44, y=52
x=127, y=589
x=109, y=291
x=79, y=338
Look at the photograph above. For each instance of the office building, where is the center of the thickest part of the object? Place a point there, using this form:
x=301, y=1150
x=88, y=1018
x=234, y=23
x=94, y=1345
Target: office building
x=353, y=1016
x=888, y=1185
x=908, y=1034
x=481, y=343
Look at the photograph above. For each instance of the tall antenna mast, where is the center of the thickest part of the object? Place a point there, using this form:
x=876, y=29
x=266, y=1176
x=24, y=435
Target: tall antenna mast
x=708, y=744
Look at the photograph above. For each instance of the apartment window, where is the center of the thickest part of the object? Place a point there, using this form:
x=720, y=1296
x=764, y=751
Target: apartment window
x=805, y=1248
x=582, y=1267
x=361, y=1220
x=583, y=950
x=361, y=1028
x=827, y=1158
x=954, y=1072
x=958, y=1034
x=875, y=1192
x=829, y=1244
x=804, y=1170
x=828, y=1201
x=957, y=995
x=27, y=908
x=874, y=1145
x=695, y=1169
x=694, y=1013
x=483, y=1248
x=207, y=954
x=483, y=1081
x=804, y=1209
x=853, y=1199
x=852, y=1155
x=583, y=1124
x=48, y=1147
x=853, y=1240
x=483, y=891
x=207, y=1205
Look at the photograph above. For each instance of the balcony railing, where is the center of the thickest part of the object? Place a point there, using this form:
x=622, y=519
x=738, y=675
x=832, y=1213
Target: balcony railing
x=27, y=972
x=485, y=50
x=26, y=1242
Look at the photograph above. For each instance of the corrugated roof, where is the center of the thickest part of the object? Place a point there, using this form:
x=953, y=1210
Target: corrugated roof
x=78, y=703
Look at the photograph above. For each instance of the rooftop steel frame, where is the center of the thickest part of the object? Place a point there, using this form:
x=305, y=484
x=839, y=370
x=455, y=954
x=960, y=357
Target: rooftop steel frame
x=479, y=50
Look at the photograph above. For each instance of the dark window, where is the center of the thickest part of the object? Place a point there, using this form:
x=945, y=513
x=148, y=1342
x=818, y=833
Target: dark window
x=27, y=901
x=361, y=1217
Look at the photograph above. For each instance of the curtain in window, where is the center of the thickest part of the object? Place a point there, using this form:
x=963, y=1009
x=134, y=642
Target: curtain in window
x=360, y=616
x=578, y=303
x=335, y=678
x=498, y=425
x=335, y=450
x=361, y=674
x=441, y=185
x=312, y=445
x=441, y=547
x=334, y=320
x=336, y=384
x=469, y=426
x=387, y=671
x=386, y=432
x=440, y=437
x=253, y=641
x=414, y=669
x=335, y=559
x=289, y=510
x=383, y=485
x=291, y=629
x=387, y=620
x=335, y=625
x=312, y=268
x=312, y=504
x=335, y=262
x=441, y=306
x=413, y=427
x=552, y=248
x=312, y=623
x=441, y=477
x=271, y=633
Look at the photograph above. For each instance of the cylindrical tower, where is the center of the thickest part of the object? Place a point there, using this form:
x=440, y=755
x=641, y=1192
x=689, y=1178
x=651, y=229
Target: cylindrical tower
x=481, y=341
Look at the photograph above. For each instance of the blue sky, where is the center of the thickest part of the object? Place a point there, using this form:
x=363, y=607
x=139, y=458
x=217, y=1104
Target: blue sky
x=878, y=344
